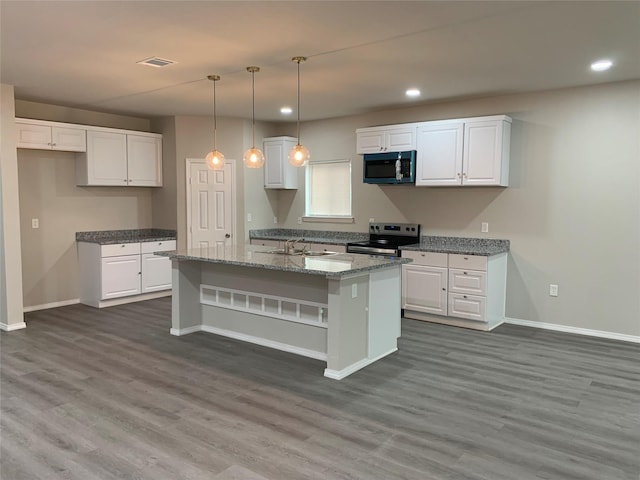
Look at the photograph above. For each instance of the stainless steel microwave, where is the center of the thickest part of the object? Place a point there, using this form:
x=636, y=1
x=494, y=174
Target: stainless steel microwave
x=389, y=167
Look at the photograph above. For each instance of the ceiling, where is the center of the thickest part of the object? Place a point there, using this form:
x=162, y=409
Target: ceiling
x=362, y=55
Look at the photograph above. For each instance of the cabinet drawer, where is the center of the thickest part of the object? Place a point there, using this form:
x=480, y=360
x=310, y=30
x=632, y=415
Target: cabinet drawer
x=473, y=282
x=265, y=243
x=324, y=247
x=119, y=249
x=471, y=262
x=470, y=307
x=432, y=259
x=159, y=246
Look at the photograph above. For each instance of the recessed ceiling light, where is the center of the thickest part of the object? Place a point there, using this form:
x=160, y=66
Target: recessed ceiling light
x=412, y=92
x=156, y=62
x=601, y=65
x=286, y=110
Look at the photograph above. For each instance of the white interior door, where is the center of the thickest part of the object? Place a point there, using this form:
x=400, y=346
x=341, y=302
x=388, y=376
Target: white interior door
x=210, y=204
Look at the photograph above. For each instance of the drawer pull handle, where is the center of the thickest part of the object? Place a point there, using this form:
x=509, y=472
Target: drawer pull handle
x=122, y=246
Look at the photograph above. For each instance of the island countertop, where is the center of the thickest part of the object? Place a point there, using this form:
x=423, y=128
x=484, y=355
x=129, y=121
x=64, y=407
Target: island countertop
x=258, y=256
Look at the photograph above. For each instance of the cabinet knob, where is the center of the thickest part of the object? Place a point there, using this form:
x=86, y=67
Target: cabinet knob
x=464, y=273
x=122, y=246
x=125, y=180
x=444, y=289
x=464, y=296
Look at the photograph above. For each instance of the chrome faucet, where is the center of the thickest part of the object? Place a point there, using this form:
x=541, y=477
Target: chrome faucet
x=289, y=245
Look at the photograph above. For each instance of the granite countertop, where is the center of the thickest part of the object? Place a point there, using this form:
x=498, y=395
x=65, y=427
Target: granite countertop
x=335, y=265
x=460, y=245
x=107, y=237
x=312, y=236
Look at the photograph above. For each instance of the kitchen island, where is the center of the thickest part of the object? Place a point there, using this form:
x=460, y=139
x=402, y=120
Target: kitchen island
x=340, y=308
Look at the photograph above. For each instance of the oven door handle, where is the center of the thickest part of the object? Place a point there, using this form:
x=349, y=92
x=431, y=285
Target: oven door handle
x=370, y=250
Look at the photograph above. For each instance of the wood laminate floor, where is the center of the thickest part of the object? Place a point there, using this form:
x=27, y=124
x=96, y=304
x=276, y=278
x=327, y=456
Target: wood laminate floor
x=110, y=394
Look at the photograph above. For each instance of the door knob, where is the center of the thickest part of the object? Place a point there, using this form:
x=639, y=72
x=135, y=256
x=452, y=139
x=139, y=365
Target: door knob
x=226, y=235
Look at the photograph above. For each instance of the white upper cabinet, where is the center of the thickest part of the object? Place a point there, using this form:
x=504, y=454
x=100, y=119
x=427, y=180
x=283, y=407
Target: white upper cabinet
x=122, y=159
x=390, y=138
x=105, y=162
x=278, y=172
x=144, y=160
x=464, y=152
x=42, y=135
x=439, y=158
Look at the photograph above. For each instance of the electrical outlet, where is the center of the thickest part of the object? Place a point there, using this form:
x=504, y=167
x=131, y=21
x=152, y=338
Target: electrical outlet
x=354, y=290
x=35, y=223
x=275, y=220
x=299, y=220
x=553, y=290
x=485, y=227
x=371, y=220
x=249, y=217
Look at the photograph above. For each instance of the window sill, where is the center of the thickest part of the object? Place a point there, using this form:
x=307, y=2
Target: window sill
x=328, y=219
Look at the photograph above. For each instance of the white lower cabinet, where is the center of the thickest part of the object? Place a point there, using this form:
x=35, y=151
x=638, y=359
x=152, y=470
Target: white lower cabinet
x=121, y=273
x=462, y=290
x=424, y=283
x=120, y=276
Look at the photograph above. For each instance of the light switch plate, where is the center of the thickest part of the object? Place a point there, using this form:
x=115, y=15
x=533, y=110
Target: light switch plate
x=485, y=227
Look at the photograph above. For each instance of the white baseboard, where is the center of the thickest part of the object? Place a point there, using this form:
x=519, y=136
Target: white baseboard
x=44, y=306
x=185, y=331
x=12, y=326
x=354, y=367
x=305, y=352
x=580, y=331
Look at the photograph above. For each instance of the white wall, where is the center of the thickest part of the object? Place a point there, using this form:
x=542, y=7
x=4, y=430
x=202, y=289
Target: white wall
x=11, y=315
x=572, y=210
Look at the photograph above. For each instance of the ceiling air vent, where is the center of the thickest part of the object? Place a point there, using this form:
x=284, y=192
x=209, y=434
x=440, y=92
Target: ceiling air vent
x=156, y=62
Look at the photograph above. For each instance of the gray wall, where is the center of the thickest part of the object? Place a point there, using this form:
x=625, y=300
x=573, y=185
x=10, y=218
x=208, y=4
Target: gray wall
x=572, y=210
x=47, y=191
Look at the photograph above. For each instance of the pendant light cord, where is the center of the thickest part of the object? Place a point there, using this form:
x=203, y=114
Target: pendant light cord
x=253, y=106
x=215, y=122
x=298, y=102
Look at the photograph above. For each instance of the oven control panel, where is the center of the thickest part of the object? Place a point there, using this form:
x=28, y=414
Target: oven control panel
x=395, y=229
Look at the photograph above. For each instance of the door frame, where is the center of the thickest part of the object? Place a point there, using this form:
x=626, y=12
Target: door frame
x=192, y=161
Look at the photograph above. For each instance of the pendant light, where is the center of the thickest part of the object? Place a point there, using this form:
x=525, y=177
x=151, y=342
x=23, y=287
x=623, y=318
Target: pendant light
x=214, y=159
x=299, y=155
x=253, y=158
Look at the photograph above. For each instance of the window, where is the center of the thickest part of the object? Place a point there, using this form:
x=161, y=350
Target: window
x=328, y=192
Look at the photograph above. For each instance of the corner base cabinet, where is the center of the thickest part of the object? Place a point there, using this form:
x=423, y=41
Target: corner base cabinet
x=121, y=273
x=461, y=290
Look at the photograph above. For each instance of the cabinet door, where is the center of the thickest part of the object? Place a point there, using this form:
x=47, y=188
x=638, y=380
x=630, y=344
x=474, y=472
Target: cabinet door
x=439, y=158
x=69, y=139
x=370, y=141
x=106, y=158
x=470, y=307
x=424, y=289
x=274, y=168
x=156, y=273
x=33, y=136
x=401, y=139
x=483, y=153
x=120, y=276
x=144, y=161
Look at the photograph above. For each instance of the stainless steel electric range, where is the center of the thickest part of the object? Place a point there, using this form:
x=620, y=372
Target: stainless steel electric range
x=386, y=239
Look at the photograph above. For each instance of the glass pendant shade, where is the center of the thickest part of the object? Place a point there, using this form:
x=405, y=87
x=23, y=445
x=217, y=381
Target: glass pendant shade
x=253, y=158
x=215, y=160
x=299, y=155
